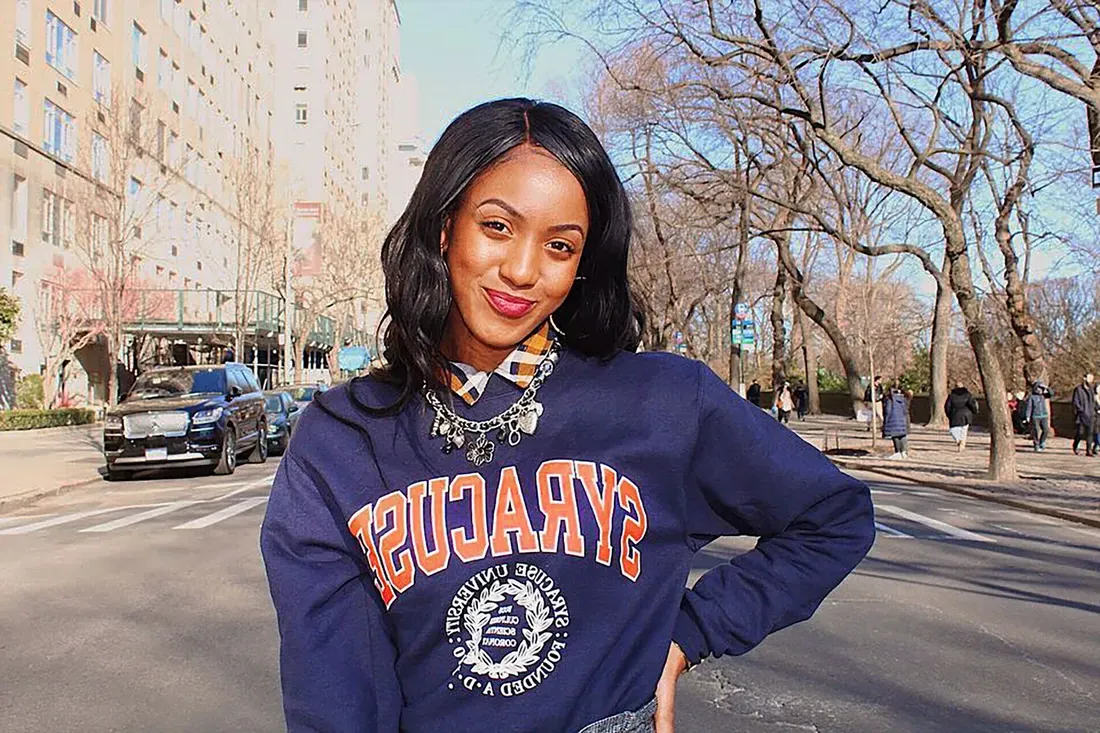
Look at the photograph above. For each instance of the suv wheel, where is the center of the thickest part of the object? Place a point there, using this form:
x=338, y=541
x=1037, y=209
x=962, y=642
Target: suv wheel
x=116, y=475
x=227, y=461
x=259, y=453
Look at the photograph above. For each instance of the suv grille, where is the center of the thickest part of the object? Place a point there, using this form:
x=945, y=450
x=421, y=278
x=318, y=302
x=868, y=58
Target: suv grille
x=144, y=424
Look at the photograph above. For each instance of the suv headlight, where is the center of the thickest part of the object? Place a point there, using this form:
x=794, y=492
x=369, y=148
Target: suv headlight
x=113, y=422
x=205, y=417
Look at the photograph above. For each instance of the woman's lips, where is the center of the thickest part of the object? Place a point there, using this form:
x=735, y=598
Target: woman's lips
x=508, y=306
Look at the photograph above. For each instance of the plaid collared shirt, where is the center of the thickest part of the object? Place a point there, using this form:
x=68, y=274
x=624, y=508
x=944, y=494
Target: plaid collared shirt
x=518, y=368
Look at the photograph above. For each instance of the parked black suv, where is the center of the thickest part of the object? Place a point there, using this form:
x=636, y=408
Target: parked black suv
x=187, y=416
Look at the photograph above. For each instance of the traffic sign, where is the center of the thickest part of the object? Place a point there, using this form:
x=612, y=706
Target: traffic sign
x=741, y=311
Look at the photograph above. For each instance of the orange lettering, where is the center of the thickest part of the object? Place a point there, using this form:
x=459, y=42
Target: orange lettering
x=634, y=528
x=430, y=562
x=401, y=572
x=511, y=516
x=470, y=548
x=603, y=505
x=359, y=524
x=561, y=511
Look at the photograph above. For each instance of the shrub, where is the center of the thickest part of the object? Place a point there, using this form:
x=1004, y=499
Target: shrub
x=34, y=419
x=29, y=394
x=828, y=381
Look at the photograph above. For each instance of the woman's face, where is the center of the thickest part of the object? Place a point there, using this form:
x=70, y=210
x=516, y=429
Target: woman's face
x=512, y=248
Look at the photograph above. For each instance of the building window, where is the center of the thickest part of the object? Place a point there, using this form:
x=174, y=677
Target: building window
x=60, y=46
x=160, y=140
x=303, y=39
x=166, y=7
x=21, y=120
x=101, y=79
x=23, y=23
x=192, y=99
x=19, y=212
x=59, y=132
x=173, y=150
x=16, y=346
x=16, y=276
x=303, y=5
x=137, y=47
x=99, y=11
x=301, y=114
x=68, y=223
x=181, y=19
x=99, y=236
x=164, y=71
x=100, y=167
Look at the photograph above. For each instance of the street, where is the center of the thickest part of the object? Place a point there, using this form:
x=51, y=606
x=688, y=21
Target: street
x=142, y=606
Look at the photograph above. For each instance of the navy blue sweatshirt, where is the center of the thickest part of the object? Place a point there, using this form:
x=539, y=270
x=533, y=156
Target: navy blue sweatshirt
x=539, y=593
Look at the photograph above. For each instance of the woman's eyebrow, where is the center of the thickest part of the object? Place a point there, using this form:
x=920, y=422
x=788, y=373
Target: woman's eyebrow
x=515, y=214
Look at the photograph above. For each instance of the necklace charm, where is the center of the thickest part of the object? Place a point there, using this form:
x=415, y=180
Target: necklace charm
x=521, y=418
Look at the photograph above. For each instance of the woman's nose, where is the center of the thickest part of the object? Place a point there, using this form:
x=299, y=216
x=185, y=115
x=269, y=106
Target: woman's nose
x=520, y=267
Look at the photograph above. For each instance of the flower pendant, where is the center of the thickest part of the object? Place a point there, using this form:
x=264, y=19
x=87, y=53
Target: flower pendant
x=480, y=451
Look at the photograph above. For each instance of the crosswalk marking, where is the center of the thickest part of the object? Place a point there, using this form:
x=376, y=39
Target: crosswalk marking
x=13, y=520
x=220, y=485
x=140, y=517
x=891, y=531
x=222, y=515
x=267, y=480
x=936, y=524
x=63, y=519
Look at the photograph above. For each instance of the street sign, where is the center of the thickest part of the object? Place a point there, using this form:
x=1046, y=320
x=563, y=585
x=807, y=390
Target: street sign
x=741, y=311
x=353, y=358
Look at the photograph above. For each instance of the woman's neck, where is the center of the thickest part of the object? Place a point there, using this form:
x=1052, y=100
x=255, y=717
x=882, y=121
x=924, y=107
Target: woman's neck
x=460, y=345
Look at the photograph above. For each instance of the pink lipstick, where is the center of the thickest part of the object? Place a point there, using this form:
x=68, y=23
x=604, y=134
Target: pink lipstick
x=509, y=306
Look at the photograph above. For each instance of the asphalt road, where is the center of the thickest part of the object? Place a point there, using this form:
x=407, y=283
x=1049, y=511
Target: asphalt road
x=142, y=606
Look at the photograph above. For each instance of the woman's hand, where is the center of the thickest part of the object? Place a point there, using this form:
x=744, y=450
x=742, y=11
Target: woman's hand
x=675, y=665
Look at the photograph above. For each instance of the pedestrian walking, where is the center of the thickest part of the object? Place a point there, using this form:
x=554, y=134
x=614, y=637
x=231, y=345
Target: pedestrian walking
x=502, y=509
x=1084, y=414
x=1096, y=421
x=801, y=400
x=895, y=420
x=784, y=403
x=873, y=398
x=961, y=408
x=753, y=392
x=1037, y=414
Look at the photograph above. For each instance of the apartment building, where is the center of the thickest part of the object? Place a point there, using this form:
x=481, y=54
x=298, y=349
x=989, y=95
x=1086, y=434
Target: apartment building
x=339, y=72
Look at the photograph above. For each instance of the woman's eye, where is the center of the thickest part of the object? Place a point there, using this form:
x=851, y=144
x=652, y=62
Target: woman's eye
x=561, y=246
x=496, y=226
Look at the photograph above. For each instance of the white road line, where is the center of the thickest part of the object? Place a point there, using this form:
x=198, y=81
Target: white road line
x=944, y=527
x=1027, y=516
x=891, y=531
x=64, y=519
x=12, y=520
x=247, y=487
x=222, y=515
x=883, y=492
x=141, y=517
x=1083, y=530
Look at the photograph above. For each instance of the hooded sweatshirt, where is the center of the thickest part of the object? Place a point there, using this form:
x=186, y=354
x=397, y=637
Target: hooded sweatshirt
x=961, y=407
x=540, y=592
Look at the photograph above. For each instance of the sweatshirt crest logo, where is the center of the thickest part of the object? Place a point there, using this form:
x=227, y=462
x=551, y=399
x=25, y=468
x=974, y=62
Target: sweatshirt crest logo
x=507, y=627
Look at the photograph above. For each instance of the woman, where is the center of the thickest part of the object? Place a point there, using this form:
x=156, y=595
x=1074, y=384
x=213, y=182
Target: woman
x=784, y=403
x=961, y=407
x=494, y=531
x=895, y=420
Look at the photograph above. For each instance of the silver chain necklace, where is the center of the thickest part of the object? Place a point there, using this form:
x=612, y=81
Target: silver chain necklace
x=522, y=418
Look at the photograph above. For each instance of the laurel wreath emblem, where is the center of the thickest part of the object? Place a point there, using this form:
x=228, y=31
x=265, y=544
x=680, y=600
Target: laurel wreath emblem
x=535, y=636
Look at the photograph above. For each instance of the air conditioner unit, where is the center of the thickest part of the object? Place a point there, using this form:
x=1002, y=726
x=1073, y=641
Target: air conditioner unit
x=62, y=89
x=94, y=25
x=140, y=74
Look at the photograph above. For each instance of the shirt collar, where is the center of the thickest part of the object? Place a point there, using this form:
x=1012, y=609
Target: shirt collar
x=519, y=367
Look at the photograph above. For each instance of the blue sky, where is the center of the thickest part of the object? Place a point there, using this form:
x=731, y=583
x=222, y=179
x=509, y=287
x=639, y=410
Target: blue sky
x=454, y=50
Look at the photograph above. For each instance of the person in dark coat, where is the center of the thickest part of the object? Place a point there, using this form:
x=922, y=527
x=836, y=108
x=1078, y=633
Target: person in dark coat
x=1037, y=414
x=895, y=420
x=753, y=393
x=961, y=407
x=801, y=400
x=1084, y=414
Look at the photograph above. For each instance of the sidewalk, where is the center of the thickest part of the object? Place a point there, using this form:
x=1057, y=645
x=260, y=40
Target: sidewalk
x=1054, y=482
x=37, y=462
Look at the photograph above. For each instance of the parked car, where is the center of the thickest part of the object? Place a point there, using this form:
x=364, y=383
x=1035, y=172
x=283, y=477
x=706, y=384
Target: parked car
x=303, y=394
x=187, y=416
x=282, y=419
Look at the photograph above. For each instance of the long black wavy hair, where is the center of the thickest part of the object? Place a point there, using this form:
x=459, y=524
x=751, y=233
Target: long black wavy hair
x=598, y=318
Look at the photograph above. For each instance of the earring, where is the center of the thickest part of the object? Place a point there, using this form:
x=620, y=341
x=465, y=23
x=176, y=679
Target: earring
x=555, y=326
x=578, y=278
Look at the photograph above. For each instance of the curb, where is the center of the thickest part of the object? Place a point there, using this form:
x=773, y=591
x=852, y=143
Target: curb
x=1014, y=503
x=29, y=497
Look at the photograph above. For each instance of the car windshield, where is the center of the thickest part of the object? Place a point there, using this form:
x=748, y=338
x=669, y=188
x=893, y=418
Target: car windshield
x=174, y=382
x=302, y=394
x=273, y=403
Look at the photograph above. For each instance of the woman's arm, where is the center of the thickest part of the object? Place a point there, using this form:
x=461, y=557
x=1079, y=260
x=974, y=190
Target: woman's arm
x=750, y=476
x=337, y=655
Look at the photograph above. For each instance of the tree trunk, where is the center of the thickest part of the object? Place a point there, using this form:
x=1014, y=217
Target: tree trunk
x=779, y=331
x=1002, y=451
x=1019, y=316
x=937, y=353
x=809, y=359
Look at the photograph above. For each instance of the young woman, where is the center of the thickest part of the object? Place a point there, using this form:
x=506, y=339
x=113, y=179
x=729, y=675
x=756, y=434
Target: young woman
x=895, y=420
x=494, y=532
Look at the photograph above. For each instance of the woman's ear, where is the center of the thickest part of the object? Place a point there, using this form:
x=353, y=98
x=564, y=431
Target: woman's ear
x=443, y=237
